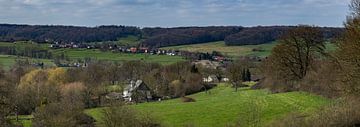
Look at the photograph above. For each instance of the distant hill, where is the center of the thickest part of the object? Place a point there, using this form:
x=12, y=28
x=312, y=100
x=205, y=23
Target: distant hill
x=232, y=35
x=150, y=37
x=67, y=34
x=162, y=37
x=261, y=35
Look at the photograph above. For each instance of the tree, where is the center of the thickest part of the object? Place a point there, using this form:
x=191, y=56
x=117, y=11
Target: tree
x=118, y=115
x=57, y=76
x=64, y=113
x=348, y=52
x=6, y=103
x=248, y=74
x=355, y=9
x=234, y=73
x=35, y=90
x=292, y=58
x=177, y=88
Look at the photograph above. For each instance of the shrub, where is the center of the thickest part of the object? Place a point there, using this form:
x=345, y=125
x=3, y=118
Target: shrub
x=187, y=99
x=124, y=116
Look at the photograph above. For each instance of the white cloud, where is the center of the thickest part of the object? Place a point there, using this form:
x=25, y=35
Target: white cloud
x=174, y=12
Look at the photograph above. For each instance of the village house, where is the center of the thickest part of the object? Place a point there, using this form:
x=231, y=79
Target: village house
x=133, y=50
x=211, y=79
x=137, y=92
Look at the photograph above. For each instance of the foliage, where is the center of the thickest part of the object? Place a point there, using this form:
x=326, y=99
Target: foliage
x=67, y=34
x=160, y=37
x=295, y=54
x=235, y=71
x=348, y=52
x=262, y=35
x=62, y=114
x=57, y=76
x=256, y=35
x=6, y=98
x=123, y=116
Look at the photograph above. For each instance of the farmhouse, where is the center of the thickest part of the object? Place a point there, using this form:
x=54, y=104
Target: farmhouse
x=137, y=92
x=211, y=79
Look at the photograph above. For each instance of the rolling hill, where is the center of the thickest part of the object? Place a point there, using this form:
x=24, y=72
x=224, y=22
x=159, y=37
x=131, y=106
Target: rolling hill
x=222, y=106
x=263, y=50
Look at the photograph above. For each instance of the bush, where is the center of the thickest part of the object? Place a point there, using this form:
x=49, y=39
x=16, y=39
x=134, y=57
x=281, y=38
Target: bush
x=84, y=120
x=187, y=99
x=124, y=116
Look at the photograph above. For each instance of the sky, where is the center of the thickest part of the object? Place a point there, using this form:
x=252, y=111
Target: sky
x=174, y=13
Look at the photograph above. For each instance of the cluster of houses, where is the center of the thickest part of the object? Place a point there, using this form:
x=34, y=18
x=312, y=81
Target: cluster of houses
x=114, y=47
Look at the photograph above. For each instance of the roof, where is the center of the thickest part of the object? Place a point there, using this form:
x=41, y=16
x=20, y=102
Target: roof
x=113, y=95
x=134, y=85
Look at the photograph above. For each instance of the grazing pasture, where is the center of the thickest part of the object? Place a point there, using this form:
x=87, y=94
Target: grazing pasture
x=262, y=50
x=75, y=54
x=223, y=106
x=8, y=60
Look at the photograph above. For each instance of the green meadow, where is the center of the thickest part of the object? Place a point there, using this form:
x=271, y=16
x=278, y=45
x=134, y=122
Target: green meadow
x=262, y=50
x=223, y=106
x=75, y=54
x=8, y=60
x=232, y=51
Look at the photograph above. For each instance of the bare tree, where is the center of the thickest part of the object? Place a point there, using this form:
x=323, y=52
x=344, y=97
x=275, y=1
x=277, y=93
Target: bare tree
x=6, y=90
x=293, y=57
x=355, y=8
x=234, y=73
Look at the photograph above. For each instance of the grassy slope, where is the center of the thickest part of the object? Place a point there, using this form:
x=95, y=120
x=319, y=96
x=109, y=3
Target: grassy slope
x=129, y=41
x=232, y=51
x=224, y=106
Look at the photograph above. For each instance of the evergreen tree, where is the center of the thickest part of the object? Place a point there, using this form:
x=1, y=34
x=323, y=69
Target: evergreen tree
x=243, y=75
x=248, y=75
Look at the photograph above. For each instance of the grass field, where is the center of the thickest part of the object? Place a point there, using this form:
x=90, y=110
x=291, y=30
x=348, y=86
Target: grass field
x=8, y=60
x=24, y=120
x=129, y=41
x=75, y=54
x=232, y=51
x=224, y=106
x=23, y=44
x=96, y=54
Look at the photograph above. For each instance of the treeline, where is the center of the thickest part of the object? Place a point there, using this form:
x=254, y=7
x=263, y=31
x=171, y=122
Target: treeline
x=232, y=35
x=151, y=37
x=261, y=35
x=31, y=51
x=161, y=37
x=67, y=34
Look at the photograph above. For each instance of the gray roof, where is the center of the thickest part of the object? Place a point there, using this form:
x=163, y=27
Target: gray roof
x=133, y=85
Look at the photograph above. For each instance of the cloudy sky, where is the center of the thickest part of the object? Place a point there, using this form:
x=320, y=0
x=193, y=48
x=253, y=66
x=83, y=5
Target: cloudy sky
x=170, y=13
